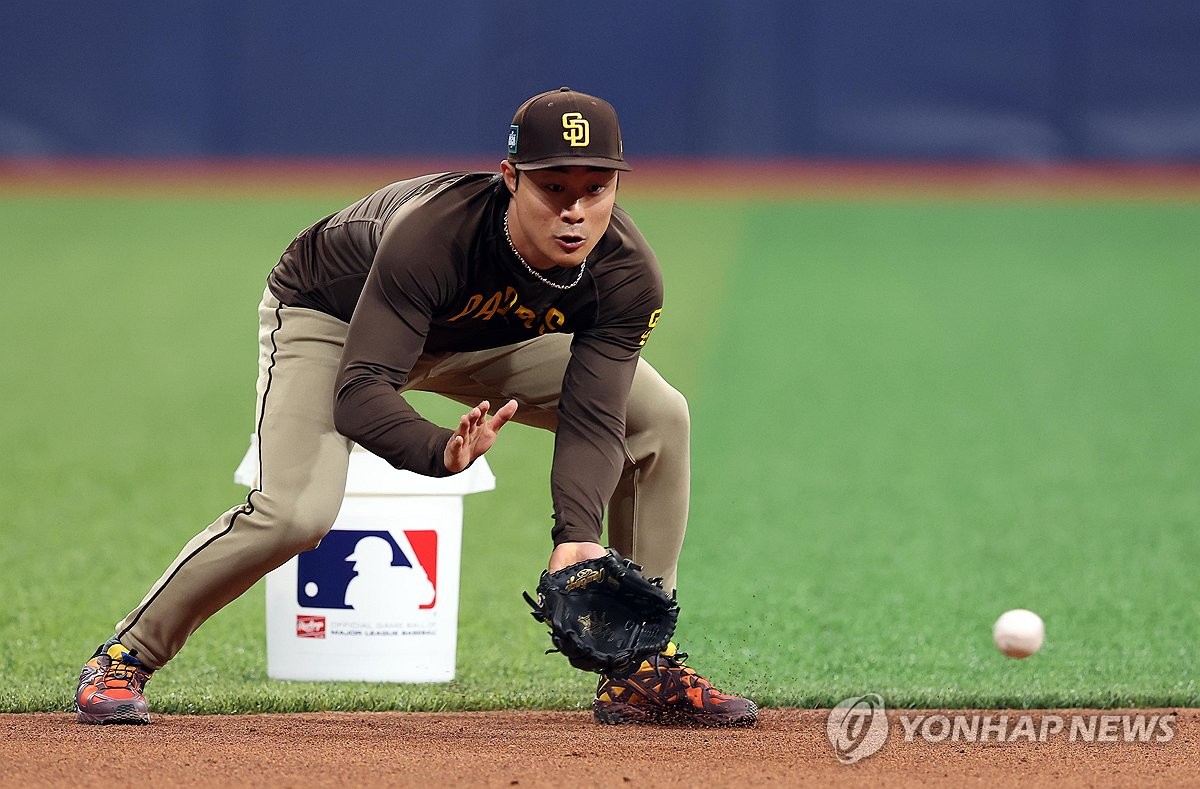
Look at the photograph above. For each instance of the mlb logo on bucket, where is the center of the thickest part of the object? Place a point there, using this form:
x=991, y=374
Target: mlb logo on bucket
x=370, y=571
x=310, y=626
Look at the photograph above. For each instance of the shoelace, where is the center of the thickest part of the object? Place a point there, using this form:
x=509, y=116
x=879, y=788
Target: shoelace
x=125, y=669
x=676, y=660
x=687, y=671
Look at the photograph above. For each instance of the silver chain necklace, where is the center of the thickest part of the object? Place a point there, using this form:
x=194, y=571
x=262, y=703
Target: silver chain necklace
x=535, y=272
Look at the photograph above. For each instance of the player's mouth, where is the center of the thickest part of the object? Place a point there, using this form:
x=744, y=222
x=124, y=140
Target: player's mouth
x=570, y=242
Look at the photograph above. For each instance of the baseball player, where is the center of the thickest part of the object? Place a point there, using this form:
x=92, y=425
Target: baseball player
x=525, y=295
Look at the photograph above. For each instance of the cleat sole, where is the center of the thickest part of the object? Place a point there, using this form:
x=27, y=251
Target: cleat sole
x=126, y=714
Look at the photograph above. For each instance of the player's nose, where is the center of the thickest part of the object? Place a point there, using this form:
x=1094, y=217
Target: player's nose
x=572, y=213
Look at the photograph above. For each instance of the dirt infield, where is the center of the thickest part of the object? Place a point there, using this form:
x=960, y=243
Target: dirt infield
x=534, y=749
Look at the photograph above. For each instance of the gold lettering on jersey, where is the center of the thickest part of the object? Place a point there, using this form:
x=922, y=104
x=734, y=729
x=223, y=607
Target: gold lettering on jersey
x=484, y=307
x=577, y=130
x=510, y=299
x=472, y=303
x=653, y=322
x=490, y=308
x=526, y=316
x=497, y=304
x=553, y=322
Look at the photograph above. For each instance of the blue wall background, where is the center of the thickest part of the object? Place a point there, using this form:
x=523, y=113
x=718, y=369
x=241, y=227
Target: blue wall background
x=1009, y=80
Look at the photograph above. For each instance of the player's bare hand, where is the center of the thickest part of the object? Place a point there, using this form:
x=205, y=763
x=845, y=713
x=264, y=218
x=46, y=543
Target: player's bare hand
x=475, y=434
x=569, y=553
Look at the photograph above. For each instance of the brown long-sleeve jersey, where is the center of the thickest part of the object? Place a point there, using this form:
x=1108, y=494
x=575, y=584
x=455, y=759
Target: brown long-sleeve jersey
x=423, y=265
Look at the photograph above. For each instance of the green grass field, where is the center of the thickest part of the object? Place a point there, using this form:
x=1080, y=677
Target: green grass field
x=909, y=416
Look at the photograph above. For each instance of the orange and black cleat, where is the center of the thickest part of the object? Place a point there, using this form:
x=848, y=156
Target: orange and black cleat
x=665, y=692
x=110, y=687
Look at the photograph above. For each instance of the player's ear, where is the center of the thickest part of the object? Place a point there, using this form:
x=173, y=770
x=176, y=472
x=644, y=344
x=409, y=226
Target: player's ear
x=512, y=176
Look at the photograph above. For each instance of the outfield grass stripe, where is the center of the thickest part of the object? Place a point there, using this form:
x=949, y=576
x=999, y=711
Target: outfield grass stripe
x=940, y=412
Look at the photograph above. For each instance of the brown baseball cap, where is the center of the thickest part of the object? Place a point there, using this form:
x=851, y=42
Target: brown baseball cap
x=565, y=128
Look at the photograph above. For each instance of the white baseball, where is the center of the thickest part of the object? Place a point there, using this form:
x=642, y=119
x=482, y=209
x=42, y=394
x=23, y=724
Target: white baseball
x=1019, y=633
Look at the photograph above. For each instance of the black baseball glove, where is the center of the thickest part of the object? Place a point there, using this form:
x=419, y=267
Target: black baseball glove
x=604, y=615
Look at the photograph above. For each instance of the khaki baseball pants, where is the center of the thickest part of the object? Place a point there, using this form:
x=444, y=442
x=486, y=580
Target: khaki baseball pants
x=303, y=462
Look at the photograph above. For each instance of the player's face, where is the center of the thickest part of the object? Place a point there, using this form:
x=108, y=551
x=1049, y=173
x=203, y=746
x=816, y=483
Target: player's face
x=557, y=216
